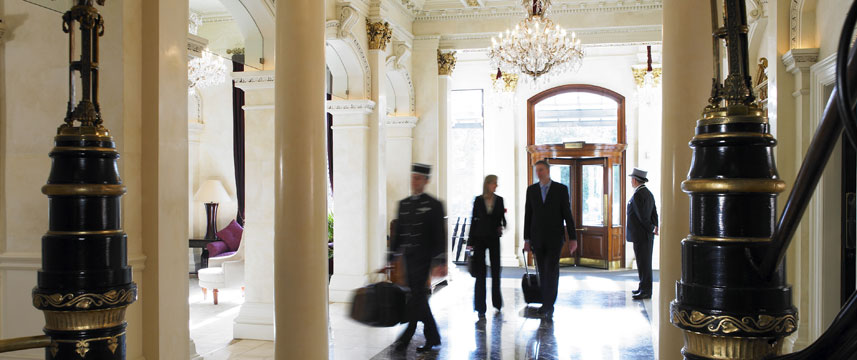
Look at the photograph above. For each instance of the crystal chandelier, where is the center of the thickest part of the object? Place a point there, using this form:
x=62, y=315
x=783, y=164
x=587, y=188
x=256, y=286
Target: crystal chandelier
x=205, y=71
x=536, y=47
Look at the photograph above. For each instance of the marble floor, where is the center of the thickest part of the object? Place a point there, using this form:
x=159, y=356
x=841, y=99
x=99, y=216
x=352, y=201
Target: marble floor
x=595, y=318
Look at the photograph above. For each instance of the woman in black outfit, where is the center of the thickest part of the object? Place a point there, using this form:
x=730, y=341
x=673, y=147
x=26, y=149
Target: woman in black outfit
x=489, y=219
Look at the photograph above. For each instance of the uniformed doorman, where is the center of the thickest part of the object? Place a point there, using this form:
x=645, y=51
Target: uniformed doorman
x=642, y=219
x=420, y=236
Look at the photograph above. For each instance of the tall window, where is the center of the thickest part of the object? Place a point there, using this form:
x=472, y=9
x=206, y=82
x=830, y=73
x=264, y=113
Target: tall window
x=574, y=113
x=466, y=152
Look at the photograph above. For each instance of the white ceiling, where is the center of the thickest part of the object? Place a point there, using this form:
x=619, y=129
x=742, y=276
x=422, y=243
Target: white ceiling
x=204, y=7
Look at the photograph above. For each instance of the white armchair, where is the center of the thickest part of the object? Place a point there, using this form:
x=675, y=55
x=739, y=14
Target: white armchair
x=223, y=272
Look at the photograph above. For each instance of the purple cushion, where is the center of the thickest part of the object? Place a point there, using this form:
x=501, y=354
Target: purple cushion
x=228, y=253
x=231, y=235
x=215, y=248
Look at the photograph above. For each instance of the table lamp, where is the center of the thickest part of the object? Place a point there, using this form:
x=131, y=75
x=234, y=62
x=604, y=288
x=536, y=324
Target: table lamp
x=211, y=193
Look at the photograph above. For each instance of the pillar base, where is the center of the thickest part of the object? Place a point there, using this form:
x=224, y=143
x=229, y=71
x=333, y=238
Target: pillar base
x=255, y=321
x=342, y=286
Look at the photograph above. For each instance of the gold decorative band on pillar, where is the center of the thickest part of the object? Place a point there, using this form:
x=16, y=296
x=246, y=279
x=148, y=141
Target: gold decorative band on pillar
x=729, y=135
x=721, y=347
x=84, y=320
x=83, y=190
x=724, y=186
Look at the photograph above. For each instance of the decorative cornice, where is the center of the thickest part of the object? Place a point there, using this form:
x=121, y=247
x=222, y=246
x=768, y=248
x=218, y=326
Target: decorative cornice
x=799, y=60
x=445, y=62
x=216, y=18
x=379, y=34
x=402, y=121
x=515, y=11
x=254, y=80
x=195, y=45
x=350, y=106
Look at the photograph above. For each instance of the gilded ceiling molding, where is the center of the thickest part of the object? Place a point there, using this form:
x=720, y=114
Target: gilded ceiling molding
x=514, y=11
x=445, y=62
x=379, y=34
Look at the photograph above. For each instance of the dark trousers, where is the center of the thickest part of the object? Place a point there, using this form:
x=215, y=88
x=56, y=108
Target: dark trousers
x=547, y=260
x=493, y=247
x=418, y=305
x=643, y=251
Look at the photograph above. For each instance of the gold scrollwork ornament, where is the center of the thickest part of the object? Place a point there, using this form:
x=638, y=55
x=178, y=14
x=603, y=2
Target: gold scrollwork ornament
x=729, y=324
x=85, y=301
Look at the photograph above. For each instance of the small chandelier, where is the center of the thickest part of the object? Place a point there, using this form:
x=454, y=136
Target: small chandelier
x=504, y=82
x=536, y=47
x=205, y=71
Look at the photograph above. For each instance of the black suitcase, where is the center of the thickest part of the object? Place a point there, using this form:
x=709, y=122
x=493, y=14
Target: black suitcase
x=530, y=283
x=381, y=304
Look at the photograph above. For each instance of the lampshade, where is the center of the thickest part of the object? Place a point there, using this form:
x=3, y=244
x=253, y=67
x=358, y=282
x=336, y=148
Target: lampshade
x=211, y=191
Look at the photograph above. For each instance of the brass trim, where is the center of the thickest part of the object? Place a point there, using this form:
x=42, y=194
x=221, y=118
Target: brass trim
x=85, y=148
x=727, y=239
x=85, y=301
x=730, y=347
x=726, y=324
x=729, y=135
x=85, y=233
x=596, y=263
x=84, y=320
x=733, y=186
x=23, y=343
x=82, y=346
x=88, y=131
x=83, y=190
x=720, y=119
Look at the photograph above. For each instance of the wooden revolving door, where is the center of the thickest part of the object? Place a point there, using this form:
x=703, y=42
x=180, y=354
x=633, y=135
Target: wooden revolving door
x=580, y=130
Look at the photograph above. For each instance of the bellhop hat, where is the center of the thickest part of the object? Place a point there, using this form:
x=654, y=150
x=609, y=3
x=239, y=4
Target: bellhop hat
x=640, y=175
x=421, y=169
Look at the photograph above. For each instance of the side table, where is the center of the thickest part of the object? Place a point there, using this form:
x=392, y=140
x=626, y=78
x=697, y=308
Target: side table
x=200, y=243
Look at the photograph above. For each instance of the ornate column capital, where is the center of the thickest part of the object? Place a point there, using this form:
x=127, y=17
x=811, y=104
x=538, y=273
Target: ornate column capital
x=445, y=62
x=379, y=34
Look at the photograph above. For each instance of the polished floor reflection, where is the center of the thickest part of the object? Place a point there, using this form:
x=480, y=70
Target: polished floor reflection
x=595, y=318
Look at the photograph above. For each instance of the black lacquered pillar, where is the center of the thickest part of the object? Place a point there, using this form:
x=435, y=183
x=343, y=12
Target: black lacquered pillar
x=84, y=285
x=725, y=307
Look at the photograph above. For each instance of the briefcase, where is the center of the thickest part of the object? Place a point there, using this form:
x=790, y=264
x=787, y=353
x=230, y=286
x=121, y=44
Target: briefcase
x=530, y=283
x=381, y=305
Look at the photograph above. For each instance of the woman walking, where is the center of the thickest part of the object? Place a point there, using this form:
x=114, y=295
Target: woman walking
x=489, y=219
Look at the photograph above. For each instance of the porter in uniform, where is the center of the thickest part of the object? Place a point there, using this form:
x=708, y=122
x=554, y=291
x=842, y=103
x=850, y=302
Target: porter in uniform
x=641, y=230
x=420, y=236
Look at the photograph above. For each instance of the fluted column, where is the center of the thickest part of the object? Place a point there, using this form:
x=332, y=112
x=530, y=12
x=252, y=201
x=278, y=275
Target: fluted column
x=687, y=64
x=300, y=190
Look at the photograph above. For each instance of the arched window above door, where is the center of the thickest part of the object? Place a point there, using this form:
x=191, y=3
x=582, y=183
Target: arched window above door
x=574, y=113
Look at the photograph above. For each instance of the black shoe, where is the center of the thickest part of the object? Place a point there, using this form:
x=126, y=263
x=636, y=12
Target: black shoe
x=401, y=346
x=635, y=292
x=642, y=296
x=429, y=346
x=499, y=308
x=481, y=314
x=546, y=312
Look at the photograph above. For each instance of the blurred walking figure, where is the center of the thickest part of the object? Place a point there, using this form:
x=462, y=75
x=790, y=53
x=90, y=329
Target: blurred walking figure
x=420, y=237
x=489, y=219
x=642, y=227
x=547, y=215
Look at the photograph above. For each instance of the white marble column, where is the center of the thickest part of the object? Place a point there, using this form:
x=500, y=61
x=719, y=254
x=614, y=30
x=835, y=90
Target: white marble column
x=440, y=173
x=687, y=64
x=400, y=143
x=256, y=318
x=377, y=147
x=351, y=196
x=425, y=76
x=300, y=183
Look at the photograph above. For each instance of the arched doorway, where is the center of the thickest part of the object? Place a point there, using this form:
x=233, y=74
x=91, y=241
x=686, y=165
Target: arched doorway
x=580, y=130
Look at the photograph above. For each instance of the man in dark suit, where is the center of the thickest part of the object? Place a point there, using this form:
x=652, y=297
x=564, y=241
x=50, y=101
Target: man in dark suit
x=641, y=230
x=420, y=237
x=547, y=217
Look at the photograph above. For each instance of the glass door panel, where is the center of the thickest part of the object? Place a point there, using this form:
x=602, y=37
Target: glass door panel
x=592, y=195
